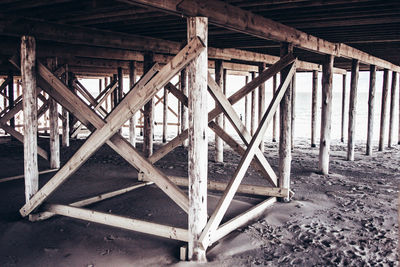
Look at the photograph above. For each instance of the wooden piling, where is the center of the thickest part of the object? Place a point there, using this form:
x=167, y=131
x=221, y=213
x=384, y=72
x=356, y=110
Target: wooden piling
x=183, y=109
x=11, y=97
x=314, y=108
x=53, y=119
x=253, y=125
x=132, y=120
x=261, y=101
x=28, y=73
x=371, y=107
x=148, y=119
x=385, y=92
x=165, y=116
x=326, y=115
x=65, y=115
x=344, y=94
x=285, y=148
x=392, y=109
x=275, y=119
x=293, y=103
x=197, y=88
x=219, y=144
x=355, y=67
x=247, y=108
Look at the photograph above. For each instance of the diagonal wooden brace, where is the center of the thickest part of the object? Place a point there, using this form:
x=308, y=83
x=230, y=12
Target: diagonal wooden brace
x=232, y=116
x=132, y=102
x=265, y=75
x=241, y=170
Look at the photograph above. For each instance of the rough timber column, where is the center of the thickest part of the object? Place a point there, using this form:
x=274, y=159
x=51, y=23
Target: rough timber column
x=247, y=108
x=293, y=109
x=28, y=73
x=343, y=107
x=165, y=117
x=120, y=88
x=54, y=130
x=184, y=111
x=392, y=108
x=261, y=101
x=385, y=92
x=11, y=97
x=219, y=144
x=65, y=115
x=253, y=125
x=355, y=67
x=275, y=119
x=148, y=118
x=285, y=148
x=197, y=85
x=371, y=104
x=326, y=115
x=132, y=121
x=314, y=108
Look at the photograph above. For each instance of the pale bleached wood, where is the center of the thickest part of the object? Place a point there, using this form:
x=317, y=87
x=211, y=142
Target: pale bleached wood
x=293, y=111
x=355, y=67
x=371, y=108
x=247, y=107
x=219, y=144
x=344, y=95
x=237, y=96
x=132, y=102
x=28, y=73
x=54, y=161
x=65, y=114
x=10, y=89
x=242, y=219
x=232, y=116
x=385, y=92
x=275, y=123
x=119, y=221
x=326, y=115
x=165, y=117
x=183, y=119
x=148, y=119
x=17, y=177
x=198, y=143
x=392, y=109
x=285, y=151
x=261, y=101
x=88, y=201
x=244, y=163
x=253, y=116
x=314, y=108
x=132, y=120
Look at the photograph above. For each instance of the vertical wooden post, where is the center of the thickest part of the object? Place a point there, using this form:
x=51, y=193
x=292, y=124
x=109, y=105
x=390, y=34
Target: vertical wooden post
x=183, y=108
x=132, y=121
x=72, y=119
x=224, y=78
x=275, y=119
x=293, y=103
x=261, y=101
x=165, y=116
x=355, y=67
x=148, y=118
x=219, y=144
x=11, y=97
x=120, y=88
x=392, y=108
x=54, y=130
x=247, y=108
x=343, y=107
x=114, y=95
x=385, y=92
x=398, y=138
x=197, y=70
x=65, y=115
x=285, y=148
x=253, y=125
x=314, y=108
x=106, y=101
x=28, y=73
x=371, y=104
x=326, y=114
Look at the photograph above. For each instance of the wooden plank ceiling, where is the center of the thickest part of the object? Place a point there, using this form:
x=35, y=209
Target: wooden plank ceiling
x=372, y=26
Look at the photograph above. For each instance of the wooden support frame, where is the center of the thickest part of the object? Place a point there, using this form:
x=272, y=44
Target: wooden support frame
x=314, y=108
x=355, y=68
x=385, y=92
x=344, y=95
x=371, y=108
x=106, y=130
x=393, y=92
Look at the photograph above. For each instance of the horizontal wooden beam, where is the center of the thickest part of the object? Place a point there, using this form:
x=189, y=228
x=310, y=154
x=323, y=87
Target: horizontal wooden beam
x=119, y=221
x=234, y=18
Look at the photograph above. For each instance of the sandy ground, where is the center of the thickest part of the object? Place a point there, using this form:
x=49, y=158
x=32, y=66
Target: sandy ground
x=347, y=218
